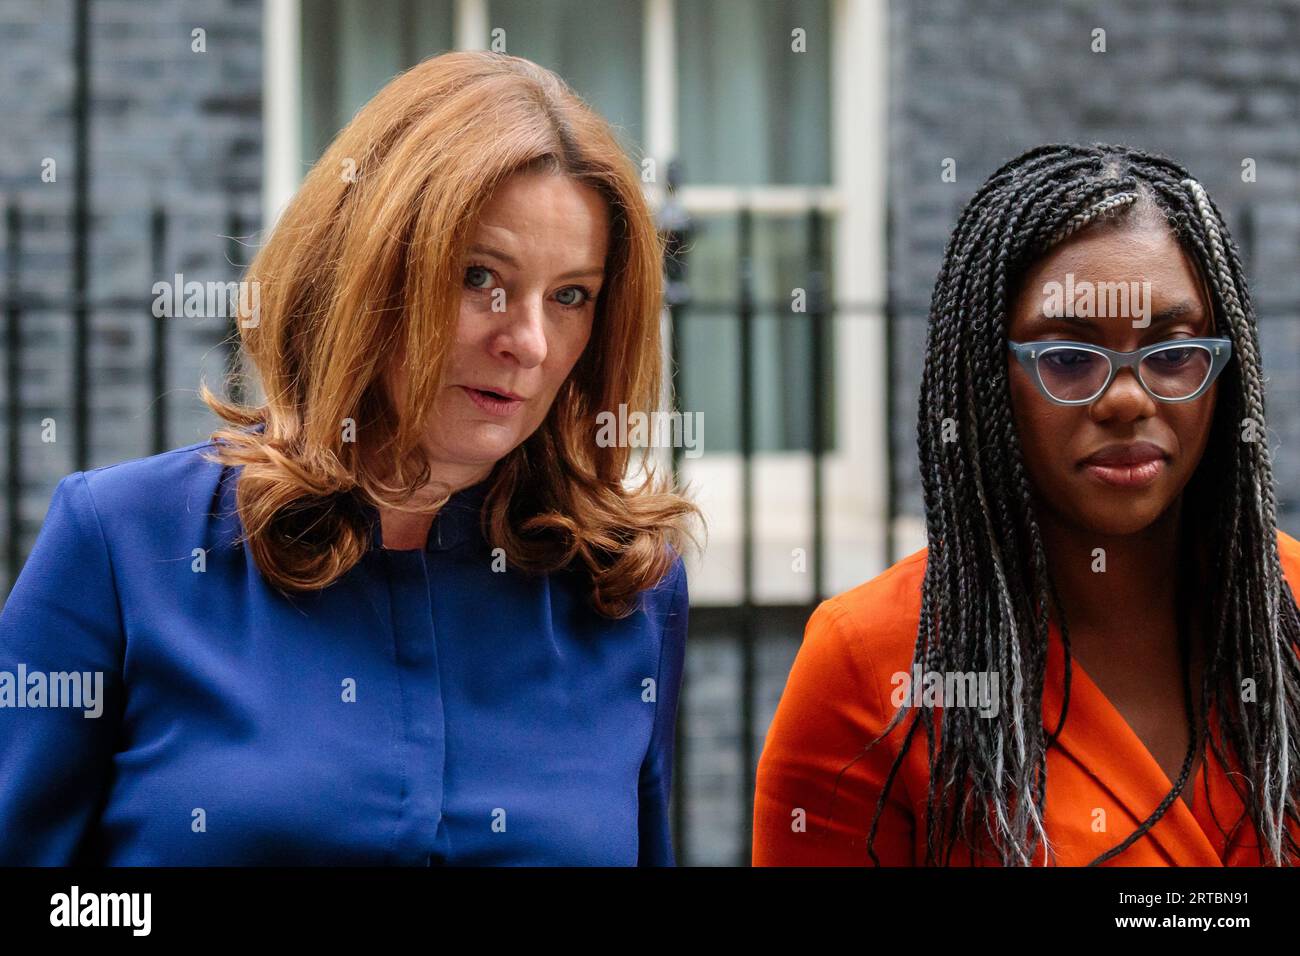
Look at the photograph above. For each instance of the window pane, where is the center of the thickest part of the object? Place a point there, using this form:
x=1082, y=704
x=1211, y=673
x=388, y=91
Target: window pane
x=351, y=48
x=595, y=45
x=751, y=110
x=709, y=379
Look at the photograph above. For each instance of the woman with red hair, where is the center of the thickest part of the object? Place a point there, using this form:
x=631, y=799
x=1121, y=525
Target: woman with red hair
x=403, y=609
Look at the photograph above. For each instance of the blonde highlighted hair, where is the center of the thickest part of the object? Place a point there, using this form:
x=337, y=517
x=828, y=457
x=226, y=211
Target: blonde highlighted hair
x=363, y=266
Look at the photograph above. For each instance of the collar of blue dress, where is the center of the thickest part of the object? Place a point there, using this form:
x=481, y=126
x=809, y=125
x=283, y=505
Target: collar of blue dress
x=456, y=522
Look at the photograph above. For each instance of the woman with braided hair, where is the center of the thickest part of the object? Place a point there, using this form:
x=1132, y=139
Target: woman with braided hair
x=1095, y=659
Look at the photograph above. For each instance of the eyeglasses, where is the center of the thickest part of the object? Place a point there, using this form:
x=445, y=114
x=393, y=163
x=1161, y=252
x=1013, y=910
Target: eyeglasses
x=1075, y=373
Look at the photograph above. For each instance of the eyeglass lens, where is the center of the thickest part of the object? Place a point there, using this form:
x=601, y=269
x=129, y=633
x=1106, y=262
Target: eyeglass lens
x=1072, y=374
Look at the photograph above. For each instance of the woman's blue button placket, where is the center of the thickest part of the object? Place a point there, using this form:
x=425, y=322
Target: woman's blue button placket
x=423, y=744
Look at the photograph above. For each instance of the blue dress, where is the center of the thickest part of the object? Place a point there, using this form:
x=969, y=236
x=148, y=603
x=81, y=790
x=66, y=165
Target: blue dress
x=431, y=707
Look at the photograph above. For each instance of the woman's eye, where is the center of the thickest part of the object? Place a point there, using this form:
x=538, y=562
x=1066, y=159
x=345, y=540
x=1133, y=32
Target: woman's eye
x=1172, y=358
x=572, y=296
x=1069, y=359
x=478, y=277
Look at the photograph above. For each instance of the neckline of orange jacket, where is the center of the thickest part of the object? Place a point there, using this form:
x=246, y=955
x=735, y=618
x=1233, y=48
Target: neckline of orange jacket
x=1097, y=752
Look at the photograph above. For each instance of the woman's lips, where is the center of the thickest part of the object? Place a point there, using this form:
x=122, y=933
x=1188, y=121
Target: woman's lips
x=491, y=403
x=1127, y=466
x=1127, y=476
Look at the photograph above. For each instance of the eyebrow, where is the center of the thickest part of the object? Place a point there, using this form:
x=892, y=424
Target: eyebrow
x=514, y=263
x=1179, y=310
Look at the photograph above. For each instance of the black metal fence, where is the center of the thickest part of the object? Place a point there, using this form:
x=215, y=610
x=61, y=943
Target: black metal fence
x=20, y=307
x=741, y=624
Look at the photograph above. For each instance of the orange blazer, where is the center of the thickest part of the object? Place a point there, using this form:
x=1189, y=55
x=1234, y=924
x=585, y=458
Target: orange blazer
x=837, y=699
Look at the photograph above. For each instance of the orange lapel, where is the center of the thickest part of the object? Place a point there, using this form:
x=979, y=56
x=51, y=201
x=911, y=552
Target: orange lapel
x=1099, y=740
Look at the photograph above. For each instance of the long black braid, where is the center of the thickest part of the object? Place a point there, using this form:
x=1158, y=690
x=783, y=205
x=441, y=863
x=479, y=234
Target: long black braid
x=987, y=594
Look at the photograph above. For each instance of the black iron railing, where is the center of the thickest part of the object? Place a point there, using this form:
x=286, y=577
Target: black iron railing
x=19, y=308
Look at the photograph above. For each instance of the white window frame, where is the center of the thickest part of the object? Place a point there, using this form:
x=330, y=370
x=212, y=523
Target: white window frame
x=855, y=473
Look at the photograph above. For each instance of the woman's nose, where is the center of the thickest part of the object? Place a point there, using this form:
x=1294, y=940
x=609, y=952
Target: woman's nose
x=1124, y=399
x=523, y=337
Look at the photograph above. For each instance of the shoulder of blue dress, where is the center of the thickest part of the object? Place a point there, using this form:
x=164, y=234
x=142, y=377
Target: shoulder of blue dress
x=677, y=565
x=673, y=580
x=172, y=492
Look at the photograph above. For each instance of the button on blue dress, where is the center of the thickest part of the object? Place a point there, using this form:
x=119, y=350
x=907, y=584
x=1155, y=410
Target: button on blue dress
x=433, y=706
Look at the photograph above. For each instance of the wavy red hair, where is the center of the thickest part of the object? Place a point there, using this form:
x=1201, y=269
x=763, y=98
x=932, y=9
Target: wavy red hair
x=361, y=266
